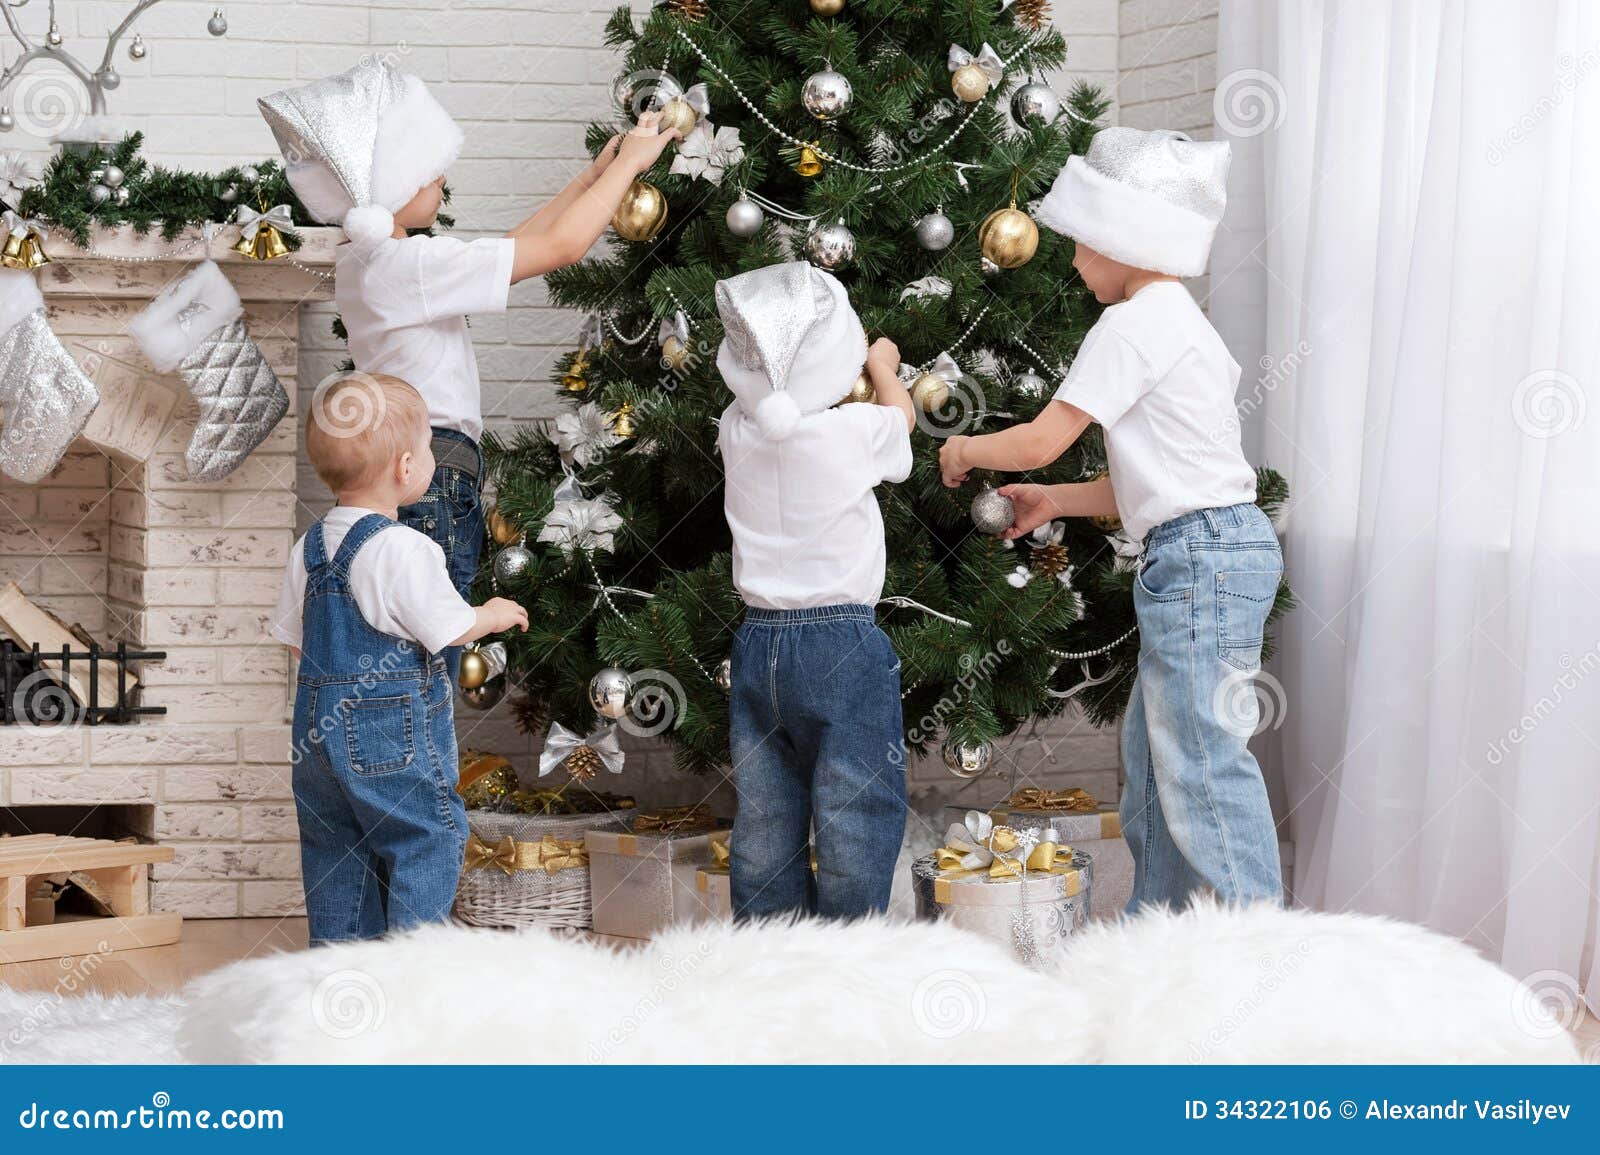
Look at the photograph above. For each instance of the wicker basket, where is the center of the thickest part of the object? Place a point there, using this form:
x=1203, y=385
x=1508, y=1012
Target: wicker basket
x=490, y=897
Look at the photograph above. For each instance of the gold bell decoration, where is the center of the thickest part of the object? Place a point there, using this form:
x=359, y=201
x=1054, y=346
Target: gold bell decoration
x=501, y=528
x=261, y=234
x=24, y=247
x=622, y=421
x=827, y=7
x=1008, y=236
x=862, y=390
x=641, y=214
x=810, y=162
x=575, y=379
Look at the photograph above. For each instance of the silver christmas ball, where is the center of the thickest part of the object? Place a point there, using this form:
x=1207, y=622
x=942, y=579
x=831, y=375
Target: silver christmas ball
x=1030, y=384
x=826, y=95
x=1035, y=103
x=230, y=194
x=53, y=37
x=745, y=218
x=99, y=194
x=636, y=92
x=609, y=691
x=831, y=247
x=218, y=24
x=120, y=195
x=486, y=696
x=966, y=761
x=110, y=79
x=935, y=232
x=510, y=564
x=112, y=176
x=137, y=50
x=725, y=675
x=992, y=512
x=8, y=120
x=250, y=173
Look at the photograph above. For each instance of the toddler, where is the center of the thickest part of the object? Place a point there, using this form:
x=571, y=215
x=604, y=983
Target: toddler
x=814, y=709
x=1143, y=208
x=368, y=607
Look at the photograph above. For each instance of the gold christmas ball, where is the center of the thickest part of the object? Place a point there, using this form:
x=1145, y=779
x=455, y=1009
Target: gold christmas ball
x=679, y=114
x=929, y=392
x=827, y=7
x=1008, y=237
x=862, y=390
x=474, y=669
x=642, y=212
x=674, y=353
x=501, y=529
x=969, y=83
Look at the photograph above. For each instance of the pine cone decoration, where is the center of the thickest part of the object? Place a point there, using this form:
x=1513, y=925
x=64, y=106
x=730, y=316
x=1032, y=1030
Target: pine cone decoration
x=583, y=764
x=530, y=715
x=689, y=9
x=1032, y=14
x=1049, y=560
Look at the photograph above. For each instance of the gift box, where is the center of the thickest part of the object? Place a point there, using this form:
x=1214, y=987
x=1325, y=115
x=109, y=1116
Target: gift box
x=528, y=869
x=1034, y=912
x=1074, y=815
x=714, y=894
x=645, y=879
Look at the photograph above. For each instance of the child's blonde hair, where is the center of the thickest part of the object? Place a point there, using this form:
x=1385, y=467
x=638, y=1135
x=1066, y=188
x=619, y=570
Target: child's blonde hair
x=360, y=424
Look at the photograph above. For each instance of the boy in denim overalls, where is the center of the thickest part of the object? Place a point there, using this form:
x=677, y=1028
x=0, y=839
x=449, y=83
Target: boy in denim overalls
x=369, y=607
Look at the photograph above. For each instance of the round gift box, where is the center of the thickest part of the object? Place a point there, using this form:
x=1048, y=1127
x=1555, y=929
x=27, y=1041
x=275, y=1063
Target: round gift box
x=1034, y=915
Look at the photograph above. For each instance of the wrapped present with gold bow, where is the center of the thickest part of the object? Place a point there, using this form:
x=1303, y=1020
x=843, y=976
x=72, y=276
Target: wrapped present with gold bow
x=527, y=869
x=1080, y=820
x=644, y=879
x=712, y=887
x=1028, y=892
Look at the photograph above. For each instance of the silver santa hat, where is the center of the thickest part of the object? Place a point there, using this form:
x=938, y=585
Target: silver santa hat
x=359, y=145
x=1148, y=199
x=792, y=343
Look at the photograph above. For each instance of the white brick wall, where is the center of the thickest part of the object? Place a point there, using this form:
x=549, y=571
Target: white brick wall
x=1167, y=64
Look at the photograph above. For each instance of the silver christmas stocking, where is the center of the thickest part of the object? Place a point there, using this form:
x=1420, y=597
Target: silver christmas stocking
x=45, y=398
x=196, y=328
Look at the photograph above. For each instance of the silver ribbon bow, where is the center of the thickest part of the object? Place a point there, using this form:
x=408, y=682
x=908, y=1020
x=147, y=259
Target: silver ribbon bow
x=279, y=217
x=21, y=226
x=677, y=326
x=930, y=286
x=987, y=60
x=1050, y=533
x=698, y=98
x=592, y=331
x=560, y=742
x=945, y=366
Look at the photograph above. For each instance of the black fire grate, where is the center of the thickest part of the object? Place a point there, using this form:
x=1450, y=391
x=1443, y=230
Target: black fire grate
x=34, y=685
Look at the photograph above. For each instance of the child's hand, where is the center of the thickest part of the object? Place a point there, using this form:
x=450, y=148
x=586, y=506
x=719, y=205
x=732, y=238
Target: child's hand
x=1032, y=505
x=501, y=614
x=641, y=146
x=953, y=468
x=885, y=354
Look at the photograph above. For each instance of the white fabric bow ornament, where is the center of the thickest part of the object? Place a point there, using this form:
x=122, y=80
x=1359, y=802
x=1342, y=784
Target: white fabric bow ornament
x=20, y=226
x=708, y=152
x=1127, y=550
x=945, y=366
x=587, y=524
x=279, y=217
x=18, y=174
x=972, y=839
x=592, y=332
x=560, y=742
x=987, y=60
x=929, y=286
x=580, y=434
x=677, y=326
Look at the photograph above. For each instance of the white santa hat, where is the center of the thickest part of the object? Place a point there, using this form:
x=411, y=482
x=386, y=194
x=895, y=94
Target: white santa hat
x=792, y=346
x=1148, y=199
x=360, y=145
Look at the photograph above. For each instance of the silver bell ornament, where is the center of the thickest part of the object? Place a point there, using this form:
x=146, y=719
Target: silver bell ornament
x=965, y=760
x=510, y=564
x=935, y=231
x=137, y=50
x=992, y=512
x=218, y=24
x=826, y=95
x=745, y=217
x=1035, y=103
x=609, y=691
x=486, y=696
x=110, y=79
x=831, y=247
x=725, y=675
x=1030, y=384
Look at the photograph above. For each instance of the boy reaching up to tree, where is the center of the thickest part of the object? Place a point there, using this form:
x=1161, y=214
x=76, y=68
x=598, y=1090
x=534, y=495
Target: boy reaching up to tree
x=369, y=149
x=1143, y=208
x=814, y=709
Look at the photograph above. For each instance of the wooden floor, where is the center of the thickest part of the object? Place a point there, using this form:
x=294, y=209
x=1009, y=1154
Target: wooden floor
x=210, y=943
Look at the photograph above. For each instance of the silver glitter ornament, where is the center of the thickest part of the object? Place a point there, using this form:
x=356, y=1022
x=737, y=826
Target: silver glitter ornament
x=826, y=95
x=46, y=398
x=510, y=564
x=935, y=232
x=831, y=247
x=120, y=195
x=745, y=218
x=110, y=79
x=99, y=194
x=1035, y=103
x=486, y=696
x=218, y=24
x=609, y=691
x=964, y=760
x=725, y=675
x=8, y=119
x=250, y=173
x=137, y=50
x=112, y=176
x=1030, y=384
x=992, y=512
x=230, y=194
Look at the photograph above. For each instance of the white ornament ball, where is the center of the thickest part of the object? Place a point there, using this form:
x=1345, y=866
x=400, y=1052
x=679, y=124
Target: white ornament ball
x=250, y=173
x=53, y=37
x=1035, y=103
x=510, y=564
x=1030, y=384
x=113, y=176
x=137, y=50
x=218, y=24
x=935, y=232
x=966, y=761
x=609, y=691
x=826, y=95
x=110, y=79
x=230, y=194
x=99, y=194
x=831, y=247
x=992, y=512
x=745, y=218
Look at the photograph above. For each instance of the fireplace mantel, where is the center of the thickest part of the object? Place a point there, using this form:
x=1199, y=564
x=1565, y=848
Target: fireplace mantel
x=119, y=539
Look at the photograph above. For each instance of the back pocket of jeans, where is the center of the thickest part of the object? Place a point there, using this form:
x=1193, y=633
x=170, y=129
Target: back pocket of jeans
x=1244, y=598
x=378, y=733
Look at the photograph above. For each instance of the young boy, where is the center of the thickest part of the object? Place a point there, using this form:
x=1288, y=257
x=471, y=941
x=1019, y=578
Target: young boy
x=1143, y=208
x=369, y=149
x=814, y=709
x=368, y=607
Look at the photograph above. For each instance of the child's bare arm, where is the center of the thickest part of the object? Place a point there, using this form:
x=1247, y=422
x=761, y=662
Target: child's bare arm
x=883, y=365
x=1016, y=450
x=493, y=617
x=1037, y=504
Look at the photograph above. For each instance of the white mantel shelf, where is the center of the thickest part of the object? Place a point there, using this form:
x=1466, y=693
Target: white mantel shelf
x=73, y=271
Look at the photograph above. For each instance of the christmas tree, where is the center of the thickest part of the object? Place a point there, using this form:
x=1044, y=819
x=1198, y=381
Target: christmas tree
x=884, y=140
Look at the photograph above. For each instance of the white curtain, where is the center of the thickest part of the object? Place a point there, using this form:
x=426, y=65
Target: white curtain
x=1411, y=264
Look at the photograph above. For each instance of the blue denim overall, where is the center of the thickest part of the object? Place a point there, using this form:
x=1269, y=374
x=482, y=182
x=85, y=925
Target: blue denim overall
x=382, y=829
x=451, y=513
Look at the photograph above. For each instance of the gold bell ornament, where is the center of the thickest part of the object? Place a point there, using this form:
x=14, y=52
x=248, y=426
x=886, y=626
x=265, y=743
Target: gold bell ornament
x=641, y=214
x=971, y=76
x=24, y=247
x=622, y=421
x=1008, y=236
x=810, y=162
x=261, y=234
x=575, y=379
x=502, y=529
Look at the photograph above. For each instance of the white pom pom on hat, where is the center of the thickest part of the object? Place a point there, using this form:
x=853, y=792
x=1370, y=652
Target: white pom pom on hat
x=368, y=224
x=777, y=415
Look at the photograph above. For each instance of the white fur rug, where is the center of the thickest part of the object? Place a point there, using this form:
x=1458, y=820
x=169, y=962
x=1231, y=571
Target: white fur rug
x=1206, y=985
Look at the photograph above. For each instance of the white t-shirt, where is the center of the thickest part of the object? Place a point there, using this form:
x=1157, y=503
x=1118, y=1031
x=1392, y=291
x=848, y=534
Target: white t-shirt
x=399, y=581
x=1157, y=377
x=806, y=526
x=405, y=302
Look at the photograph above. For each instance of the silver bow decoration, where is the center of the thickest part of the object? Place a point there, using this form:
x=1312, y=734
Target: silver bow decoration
x=1050, y=533
x=569, y=489
x=929, y=286
x=592, y=332
x=677, y=326
x=708, y=152
x=987, y=60
x=945, y=366
x=971, y=839
x=560, y=742
x=1127, y=550
x=279, y=217
x=587, y=525
x=698, y=98
x=20, y=226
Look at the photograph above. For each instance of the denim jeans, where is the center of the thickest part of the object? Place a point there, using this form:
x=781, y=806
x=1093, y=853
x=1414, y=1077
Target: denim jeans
x=1194, y=808
x=382, y=830
x=818, y=746
x=451, y=513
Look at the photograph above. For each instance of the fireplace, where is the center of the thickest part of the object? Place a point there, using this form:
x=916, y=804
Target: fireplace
x=173, y=579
